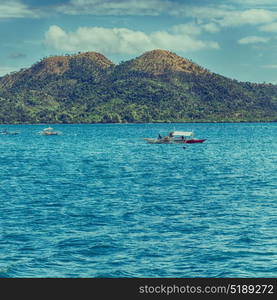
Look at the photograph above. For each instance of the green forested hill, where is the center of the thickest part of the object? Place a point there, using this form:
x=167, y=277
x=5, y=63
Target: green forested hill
x=158, y=86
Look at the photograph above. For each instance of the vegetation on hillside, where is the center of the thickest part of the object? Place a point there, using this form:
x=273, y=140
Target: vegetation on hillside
x=158, y=86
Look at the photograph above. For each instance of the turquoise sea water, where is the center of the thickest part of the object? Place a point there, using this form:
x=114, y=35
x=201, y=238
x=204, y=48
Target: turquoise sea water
x=98, y=201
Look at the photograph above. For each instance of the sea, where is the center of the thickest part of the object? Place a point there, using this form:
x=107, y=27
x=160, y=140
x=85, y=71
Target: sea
x=99, y=201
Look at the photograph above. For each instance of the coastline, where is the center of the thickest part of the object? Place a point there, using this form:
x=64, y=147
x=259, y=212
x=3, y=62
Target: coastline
x=129, y=123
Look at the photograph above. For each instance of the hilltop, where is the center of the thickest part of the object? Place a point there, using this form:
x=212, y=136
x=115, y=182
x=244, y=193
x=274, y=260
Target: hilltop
x=60, y=66
x=157, y=86
x=158, y=62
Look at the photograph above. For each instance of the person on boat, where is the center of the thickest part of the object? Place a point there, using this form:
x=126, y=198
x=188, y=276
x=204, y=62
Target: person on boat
x=160, y=137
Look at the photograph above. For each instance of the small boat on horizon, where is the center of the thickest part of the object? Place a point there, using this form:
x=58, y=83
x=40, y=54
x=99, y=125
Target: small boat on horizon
x=176, y=137
x=7, y=132
x=49, y=131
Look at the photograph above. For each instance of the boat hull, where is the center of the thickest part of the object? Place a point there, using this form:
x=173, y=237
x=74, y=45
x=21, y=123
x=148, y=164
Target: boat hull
x=171, y=141
x=157, y=141
x=50, y=133
x=194, y=141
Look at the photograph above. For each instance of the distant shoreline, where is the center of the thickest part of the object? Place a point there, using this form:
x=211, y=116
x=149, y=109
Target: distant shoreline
x=131, y=123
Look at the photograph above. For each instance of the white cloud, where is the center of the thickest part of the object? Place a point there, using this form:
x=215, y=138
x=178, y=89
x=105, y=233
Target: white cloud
x=14, y=9
x=246, y=17
x=115, y=7
x=269, y=27
x=226, y=15
x=115, y=40
x=121, y=40
x=250, y=17
x=253, y=40
x=220, y=14
x=211, y=27
x=273, y=66
x=180, y=42
x=214, y=15
x=189, y=28
x=199, y=12
x=254, y=2
x=195, y=29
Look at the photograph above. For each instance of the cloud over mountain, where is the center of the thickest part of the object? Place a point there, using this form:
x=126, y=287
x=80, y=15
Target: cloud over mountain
x=122, y=40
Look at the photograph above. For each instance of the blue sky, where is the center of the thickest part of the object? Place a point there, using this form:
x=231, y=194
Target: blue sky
x=235, y=38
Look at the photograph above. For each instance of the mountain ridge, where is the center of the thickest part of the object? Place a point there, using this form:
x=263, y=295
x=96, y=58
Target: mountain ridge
x=157, y=86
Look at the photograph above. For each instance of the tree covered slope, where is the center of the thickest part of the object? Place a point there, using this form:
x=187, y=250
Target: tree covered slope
x=157, y=86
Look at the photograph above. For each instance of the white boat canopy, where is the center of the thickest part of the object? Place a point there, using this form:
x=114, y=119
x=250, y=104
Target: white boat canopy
x=182, y=133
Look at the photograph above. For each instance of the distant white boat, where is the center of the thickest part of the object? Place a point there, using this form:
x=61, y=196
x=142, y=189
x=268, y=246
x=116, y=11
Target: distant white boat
x=49, y=131
x=6, y=132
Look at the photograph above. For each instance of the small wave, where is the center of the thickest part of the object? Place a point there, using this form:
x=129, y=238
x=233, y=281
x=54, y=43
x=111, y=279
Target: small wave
x=4, y=274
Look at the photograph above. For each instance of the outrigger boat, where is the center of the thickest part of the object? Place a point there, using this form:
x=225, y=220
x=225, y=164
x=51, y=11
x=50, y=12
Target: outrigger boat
x=6, y=132
x=176, y=137
x=49, y=131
